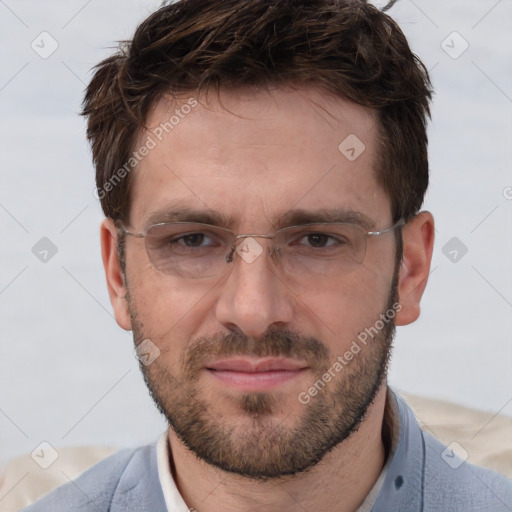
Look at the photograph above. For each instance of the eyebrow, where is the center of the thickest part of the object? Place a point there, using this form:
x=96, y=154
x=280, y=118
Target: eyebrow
x=295, y=217
x=298, y=217
x=187, y=214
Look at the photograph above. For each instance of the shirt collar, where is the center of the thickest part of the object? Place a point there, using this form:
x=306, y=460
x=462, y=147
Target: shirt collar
x=390, y=438
x=403, y=485
x=173, y=499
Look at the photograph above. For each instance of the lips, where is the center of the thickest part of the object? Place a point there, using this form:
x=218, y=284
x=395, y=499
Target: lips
x=260, y=374
x=256, y=365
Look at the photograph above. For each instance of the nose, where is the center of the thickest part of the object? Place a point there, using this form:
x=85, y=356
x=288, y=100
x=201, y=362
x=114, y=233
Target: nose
x=254, y=296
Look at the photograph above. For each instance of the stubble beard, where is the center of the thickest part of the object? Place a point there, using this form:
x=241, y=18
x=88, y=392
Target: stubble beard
x=262, y=447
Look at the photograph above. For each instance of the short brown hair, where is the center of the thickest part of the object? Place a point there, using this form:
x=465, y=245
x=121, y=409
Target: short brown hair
x=346, y=47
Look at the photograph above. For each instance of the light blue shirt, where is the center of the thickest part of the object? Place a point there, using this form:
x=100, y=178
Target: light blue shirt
x=419, y=477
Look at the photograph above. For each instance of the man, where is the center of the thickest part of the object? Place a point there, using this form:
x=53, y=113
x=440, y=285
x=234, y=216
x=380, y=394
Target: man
x=261, y=165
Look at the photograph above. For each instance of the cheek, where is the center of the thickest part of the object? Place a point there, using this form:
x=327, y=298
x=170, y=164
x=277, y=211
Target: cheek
x=167, y=313
x=339, y=312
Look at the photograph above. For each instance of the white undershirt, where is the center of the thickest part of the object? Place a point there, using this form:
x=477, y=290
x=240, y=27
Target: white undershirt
x=173, y=499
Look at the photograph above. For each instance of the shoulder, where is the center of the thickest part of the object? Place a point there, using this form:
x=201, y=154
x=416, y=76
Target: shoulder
x=451, y=483
x=425, y=474
x=95, y=489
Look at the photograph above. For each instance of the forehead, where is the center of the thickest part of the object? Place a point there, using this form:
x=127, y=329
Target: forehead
x=254, y=155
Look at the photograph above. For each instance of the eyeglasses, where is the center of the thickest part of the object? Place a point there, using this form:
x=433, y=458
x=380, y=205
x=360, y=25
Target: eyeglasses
x=201, y=251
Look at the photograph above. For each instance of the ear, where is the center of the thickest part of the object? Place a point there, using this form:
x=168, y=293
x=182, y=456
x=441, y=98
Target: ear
x=418, y=243
x=115, y=281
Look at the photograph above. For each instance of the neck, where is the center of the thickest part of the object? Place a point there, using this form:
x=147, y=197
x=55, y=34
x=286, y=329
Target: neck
x=340, y=482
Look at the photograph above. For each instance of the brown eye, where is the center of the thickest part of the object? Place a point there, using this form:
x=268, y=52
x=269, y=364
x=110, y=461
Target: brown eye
x=193, y=240
x=319, y=239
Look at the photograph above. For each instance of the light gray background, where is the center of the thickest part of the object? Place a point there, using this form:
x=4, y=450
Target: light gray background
x=68, y=372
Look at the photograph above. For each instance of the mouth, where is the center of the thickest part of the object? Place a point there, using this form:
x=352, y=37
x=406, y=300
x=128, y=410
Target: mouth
x=255, y=374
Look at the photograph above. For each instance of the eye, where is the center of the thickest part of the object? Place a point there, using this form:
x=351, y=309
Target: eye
x=186, y=239
x=320, y=240
x=193, y=240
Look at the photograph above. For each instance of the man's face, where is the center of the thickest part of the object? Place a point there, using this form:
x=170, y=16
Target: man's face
x=255, y=158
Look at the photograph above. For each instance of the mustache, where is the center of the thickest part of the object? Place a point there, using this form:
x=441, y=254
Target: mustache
x=282, y=343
